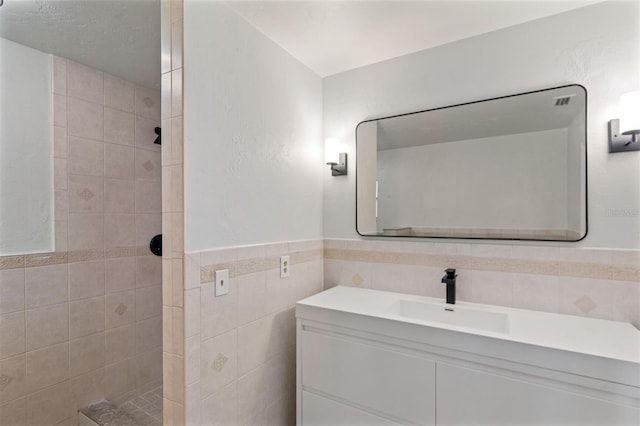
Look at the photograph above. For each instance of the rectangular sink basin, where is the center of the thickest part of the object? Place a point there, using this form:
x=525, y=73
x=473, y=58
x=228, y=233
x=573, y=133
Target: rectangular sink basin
x=454, y=315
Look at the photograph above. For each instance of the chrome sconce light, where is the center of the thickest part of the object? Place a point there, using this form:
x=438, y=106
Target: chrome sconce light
x=624, y=133
x=332, y=149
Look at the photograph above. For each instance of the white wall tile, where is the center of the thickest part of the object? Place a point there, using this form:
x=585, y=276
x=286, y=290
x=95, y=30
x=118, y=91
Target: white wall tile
x=219, y=314
x=218, y=365
x=221, y=409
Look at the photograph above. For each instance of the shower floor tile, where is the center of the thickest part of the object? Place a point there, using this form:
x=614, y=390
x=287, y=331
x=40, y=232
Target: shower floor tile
x=145, y=408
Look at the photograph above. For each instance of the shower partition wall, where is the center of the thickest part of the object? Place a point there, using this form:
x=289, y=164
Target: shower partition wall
x=84, y=323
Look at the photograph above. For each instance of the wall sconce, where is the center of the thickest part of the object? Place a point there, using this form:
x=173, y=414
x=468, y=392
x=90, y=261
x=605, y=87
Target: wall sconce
x=624, y=133
x=332, y=148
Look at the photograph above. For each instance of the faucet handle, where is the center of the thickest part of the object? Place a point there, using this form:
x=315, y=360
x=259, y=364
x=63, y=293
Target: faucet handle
x=451, y=273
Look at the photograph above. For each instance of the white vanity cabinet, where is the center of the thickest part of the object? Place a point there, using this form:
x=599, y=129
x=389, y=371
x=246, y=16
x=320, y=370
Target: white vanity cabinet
x=360, y=365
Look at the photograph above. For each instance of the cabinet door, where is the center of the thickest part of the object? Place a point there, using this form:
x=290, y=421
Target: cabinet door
x=386, y=383
x=470, y=397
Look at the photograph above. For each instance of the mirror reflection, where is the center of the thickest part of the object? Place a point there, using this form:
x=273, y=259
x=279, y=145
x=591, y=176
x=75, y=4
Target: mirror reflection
x=505, y=168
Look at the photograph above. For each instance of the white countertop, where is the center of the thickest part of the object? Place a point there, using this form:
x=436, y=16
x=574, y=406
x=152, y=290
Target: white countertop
x=596, y=337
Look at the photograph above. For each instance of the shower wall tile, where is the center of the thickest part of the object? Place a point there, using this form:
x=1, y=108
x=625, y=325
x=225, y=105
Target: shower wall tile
x=120, y=343
x=145, y=134
x=86, y=316
x=149, y=271
x=120, y=379
x=60, y=173
x=148, y=302
x=60, y=141
x=55, y=307
x=46, y=326
x=149, y=334
x=11, y=290
x=61, y=204
x=48, y=406
x=60, y=110
x=120, y=309
x=148, y=196
x=86, y=279
x=85, y=390
x=48, y=366
x=119, y=196
x=118, y=161
x=149, y=368
x=85, y=83
x=46, y=285
x=86, y=157
x=86, y=231
x=118, y=126
x=147, y=165
x=59, y=75
x=86, y=194
x=14, y=367
x=85, y=119
x=86, y=354
x=120, y=274
x=118, y=93
x=12, y=334
x=147, y=103
x=119, y=230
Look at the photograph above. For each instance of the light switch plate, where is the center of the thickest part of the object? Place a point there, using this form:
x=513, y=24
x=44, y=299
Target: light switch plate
x=222, y=282
x=285, y=266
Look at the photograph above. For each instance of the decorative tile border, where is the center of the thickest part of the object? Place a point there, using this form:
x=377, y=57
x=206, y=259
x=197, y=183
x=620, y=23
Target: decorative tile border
x=562, y=268
x=60, y=257
x=252, y=265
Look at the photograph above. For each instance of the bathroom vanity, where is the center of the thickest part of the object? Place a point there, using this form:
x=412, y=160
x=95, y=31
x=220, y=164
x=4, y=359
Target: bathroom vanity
x=367, y=357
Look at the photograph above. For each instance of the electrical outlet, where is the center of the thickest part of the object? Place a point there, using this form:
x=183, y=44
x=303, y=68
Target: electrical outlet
x=222, y=282
x=285, y=266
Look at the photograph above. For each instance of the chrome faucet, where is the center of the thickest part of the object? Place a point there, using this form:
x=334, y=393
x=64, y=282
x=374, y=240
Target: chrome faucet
x=450, y=280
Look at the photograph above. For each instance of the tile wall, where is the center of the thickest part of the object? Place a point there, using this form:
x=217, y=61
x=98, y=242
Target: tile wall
x=84, y=323
x=599, y=283
x=172, y=215
x=240, y=348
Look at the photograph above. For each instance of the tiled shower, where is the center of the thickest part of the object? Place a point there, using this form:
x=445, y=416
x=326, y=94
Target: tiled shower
x=84, y=323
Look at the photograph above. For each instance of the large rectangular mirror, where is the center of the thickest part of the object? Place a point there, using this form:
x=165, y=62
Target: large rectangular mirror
x=512, y=167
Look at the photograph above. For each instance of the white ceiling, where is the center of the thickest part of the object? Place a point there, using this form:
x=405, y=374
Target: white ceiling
x=334, y=36
x=122, y=37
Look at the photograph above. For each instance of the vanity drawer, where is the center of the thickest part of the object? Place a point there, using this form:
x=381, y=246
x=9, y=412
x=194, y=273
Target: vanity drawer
x=320, y=411
x=382, y=382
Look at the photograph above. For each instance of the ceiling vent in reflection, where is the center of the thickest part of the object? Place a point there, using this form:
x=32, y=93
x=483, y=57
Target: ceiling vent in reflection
x=562, y=100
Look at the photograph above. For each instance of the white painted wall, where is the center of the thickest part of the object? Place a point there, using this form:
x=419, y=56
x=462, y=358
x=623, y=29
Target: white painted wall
x=253, y=135
x=597, y=46
x=26, y=150
x=504, y=182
